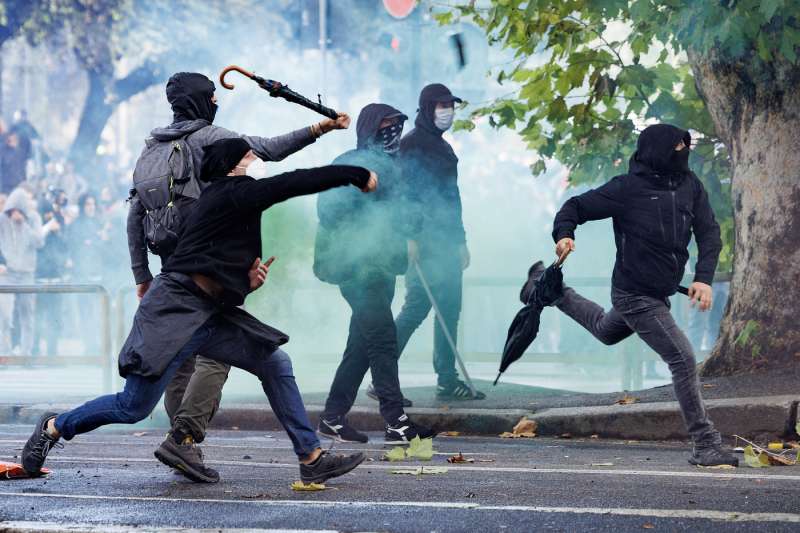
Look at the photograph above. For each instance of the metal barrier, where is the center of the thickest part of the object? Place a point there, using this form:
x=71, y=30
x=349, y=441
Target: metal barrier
x=104, y=358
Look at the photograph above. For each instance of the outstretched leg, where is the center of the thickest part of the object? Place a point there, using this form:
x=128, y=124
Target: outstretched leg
x=608, y=327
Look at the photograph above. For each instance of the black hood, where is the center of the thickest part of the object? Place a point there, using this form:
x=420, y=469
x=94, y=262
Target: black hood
x=189, y=94
x=220, y=157
x=369, y=119
x=655, y=151
x=431, y=95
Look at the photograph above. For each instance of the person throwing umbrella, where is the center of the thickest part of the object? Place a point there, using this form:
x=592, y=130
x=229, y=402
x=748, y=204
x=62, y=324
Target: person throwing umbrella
x=655, y=207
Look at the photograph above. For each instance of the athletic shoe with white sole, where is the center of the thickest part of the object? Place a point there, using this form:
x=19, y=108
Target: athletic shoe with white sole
x=338, y=429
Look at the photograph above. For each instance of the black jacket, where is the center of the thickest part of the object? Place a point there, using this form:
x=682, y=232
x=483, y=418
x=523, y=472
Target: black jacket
x=431, y=167
x=222, y=236
x=360, y=233
x=655, y=208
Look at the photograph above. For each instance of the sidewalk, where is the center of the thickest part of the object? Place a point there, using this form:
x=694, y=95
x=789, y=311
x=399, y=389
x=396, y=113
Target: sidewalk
x=758, y=407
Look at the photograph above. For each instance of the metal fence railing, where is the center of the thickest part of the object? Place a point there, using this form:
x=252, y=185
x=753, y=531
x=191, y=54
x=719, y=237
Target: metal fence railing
x=104, y=358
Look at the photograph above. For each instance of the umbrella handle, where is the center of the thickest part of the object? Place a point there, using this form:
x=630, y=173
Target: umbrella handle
x=562, y=258
x=233, y=68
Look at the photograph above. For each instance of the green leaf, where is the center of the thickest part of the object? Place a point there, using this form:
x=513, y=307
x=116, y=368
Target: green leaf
x=420, y=449
x=754, y=460
x=398, y=453
x=769, y=7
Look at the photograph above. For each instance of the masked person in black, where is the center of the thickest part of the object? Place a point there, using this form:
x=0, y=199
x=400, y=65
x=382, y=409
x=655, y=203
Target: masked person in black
x=192, y=307
x=361, y=246
x=439, y=246
x=194, y=394
x=655, y=207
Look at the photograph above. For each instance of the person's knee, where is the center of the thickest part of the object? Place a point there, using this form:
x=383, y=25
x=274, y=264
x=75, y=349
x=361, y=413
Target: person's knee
x=132, y=410
x=278, y=364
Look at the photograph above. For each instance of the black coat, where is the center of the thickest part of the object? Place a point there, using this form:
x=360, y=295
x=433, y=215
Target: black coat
x=431, y=167
x=655, y=208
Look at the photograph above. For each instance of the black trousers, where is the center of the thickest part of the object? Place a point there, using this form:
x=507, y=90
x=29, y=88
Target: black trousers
x=371, y=344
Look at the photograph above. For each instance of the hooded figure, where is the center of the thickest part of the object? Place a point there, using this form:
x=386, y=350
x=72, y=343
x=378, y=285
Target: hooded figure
x=655, y=208
x=360, y=234
x=431, y=167
x=21, y=235
x=361, y=246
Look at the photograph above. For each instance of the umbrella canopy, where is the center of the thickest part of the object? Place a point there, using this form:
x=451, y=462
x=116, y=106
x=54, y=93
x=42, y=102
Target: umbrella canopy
x=540, y=290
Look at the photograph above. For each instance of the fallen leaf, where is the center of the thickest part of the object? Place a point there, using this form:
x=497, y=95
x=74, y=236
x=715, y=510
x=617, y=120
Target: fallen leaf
x=565, y=436
x=310, y=487
x=450, y=434
x=420, y=449
x=775, y=446
x=797, y=427
x=648, y=526
x=718, y=467
x=780, y=460
x=602, y=464
x=595, y=436
x=398, y=453
x=509, y=435
x=140, y=434
x=15, y=471
x=460, y=459
x=708, y=385
x=525, y=426
x=626, y=400
x=755, y=461
x=793, y=444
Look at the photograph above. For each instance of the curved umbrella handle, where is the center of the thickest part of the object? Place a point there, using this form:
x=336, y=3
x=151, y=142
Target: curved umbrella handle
x=562, y=258
x=233, y=68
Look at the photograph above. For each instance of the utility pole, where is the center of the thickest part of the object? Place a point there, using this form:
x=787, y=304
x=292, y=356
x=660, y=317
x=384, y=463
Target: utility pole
x=323, y=41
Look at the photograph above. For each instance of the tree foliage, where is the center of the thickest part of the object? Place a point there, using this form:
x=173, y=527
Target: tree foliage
x=587, y=75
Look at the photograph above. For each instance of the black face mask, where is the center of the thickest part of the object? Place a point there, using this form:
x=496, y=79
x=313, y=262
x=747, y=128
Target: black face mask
x=679, y=160
x=389, y=137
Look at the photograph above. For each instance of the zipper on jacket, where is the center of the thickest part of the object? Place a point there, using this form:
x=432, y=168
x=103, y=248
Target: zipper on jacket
x=674, y=226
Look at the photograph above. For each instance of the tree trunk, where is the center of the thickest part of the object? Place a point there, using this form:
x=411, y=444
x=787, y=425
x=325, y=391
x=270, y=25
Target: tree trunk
x=756, y=109
x=96, y=112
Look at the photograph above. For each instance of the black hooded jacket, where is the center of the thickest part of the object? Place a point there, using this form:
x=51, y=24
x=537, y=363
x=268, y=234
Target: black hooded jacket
x=655, y=208
x=431, y=167
x=365, y=233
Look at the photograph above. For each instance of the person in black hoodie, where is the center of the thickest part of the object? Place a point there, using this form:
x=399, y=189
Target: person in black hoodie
x=655, y=208
x=194, y=394
x=440, y=245
x=192, y=307
x=361, y=246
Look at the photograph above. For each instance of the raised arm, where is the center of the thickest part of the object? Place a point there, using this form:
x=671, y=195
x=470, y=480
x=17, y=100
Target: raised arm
x=707, y=234
x=597, y=204
x=260, y=194
x=136, y=245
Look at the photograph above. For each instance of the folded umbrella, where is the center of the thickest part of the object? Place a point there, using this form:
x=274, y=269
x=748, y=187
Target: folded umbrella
x=537, y=293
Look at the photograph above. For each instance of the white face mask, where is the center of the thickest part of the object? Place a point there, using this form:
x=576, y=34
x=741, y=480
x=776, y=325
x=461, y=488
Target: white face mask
x=257, y=169
x=443, y=118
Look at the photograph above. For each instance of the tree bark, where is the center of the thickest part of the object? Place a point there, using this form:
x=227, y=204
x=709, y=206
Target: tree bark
x=755, y=106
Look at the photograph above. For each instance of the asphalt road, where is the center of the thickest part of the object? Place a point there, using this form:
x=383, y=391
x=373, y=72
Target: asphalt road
x=106, y=478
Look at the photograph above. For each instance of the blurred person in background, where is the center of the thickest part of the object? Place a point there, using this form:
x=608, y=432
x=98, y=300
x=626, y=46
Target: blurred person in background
x=51, y=267
x=14, y=153
x=21, y=236
x=361, y=247
x=440, y=246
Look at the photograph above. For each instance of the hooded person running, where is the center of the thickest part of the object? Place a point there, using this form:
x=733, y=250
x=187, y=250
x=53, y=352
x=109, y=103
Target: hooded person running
x=655, y=207
x=361, y=246
x=194, y=394
x=192, y=307
x=439, y=244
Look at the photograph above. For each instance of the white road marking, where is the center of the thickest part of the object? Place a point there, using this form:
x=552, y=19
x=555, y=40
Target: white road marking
x=14, y=527
x=725, y=475
x=730, y=516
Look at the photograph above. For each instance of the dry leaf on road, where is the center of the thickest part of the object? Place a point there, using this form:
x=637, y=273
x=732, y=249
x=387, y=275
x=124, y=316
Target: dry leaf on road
x=310, y=487
x=626, y=400
x=459, y=458
x=420, y=470
x=450, y=434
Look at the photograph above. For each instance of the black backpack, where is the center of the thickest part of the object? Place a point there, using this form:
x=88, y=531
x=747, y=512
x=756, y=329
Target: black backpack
x=161, y=180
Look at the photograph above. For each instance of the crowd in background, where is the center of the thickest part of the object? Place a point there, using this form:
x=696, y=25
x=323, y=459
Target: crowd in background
x=54, y=228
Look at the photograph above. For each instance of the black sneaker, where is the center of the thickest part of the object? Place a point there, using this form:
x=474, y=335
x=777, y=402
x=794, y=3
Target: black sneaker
x=374, y=395
x=712, y=455
x=327, y=466
x=457, y=390
x=339, y=430
x=38, y=446
x=404, y=430
x=186, y=458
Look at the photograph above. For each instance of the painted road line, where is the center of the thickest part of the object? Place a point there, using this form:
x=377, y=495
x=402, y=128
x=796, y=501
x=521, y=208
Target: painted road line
x=729, y=516
x=727, y=475
x=31, y=527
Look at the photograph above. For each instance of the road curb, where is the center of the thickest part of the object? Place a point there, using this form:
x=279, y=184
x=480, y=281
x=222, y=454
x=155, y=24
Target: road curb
x=754, y=418
x=759, y=418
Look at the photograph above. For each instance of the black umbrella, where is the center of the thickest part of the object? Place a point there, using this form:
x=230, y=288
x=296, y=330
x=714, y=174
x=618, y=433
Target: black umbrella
x=538, y=292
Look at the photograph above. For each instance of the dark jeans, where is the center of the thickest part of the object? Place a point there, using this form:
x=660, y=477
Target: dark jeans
x=193, y=396
x=371, y=344
x=444, y=278
x=222, y=341
x=650, y=319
